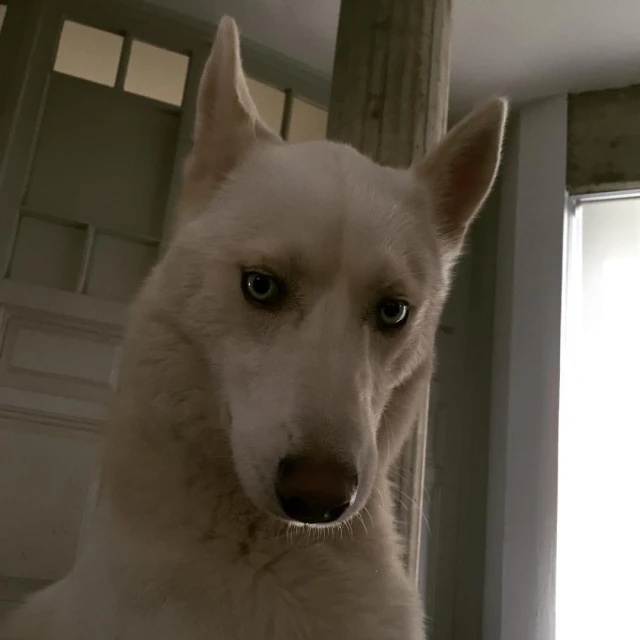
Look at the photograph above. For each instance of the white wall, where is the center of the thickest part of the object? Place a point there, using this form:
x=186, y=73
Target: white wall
x=522, y=488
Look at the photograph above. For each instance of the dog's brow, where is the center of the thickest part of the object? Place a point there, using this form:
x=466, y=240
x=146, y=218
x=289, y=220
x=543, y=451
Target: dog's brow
x=395, y=279
x=283, y=262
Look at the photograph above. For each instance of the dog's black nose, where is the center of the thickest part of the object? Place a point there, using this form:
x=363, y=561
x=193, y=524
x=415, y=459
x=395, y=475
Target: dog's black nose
x=315, y=490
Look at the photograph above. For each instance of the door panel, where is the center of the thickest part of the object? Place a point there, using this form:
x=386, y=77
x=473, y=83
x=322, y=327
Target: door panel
x=47, y=253
x=118, y=266
x=103, y=158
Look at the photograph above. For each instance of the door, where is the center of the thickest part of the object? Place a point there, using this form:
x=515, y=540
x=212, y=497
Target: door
x=96, y=110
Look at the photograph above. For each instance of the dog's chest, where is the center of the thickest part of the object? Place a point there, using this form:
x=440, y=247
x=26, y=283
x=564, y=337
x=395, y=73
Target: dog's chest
x=307, y=596
x=312, y=594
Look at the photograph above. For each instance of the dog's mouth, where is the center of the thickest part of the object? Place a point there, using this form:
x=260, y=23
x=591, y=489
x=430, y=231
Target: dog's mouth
x=315, y=490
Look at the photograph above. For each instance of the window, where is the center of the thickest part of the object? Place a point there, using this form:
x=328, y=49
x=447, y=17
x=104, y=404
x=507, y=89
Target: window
x=268, y=101
x=308, y=122
x=156, y=73
x=96, y=55
x=598, y=554
x=88, y=53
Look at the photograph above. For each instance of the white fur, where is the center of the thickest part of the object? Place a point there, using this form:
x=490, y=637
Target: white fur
x=189, y=541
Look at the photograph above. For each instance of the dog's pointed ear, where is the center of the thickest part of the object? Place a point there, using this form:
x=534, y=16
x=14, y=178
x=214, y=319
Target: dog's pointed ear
x=461, y=170
x=227, y=123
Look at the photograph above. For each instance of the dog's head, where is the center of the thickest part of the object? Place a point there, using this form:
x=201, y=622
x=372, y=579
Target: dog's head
x=321, y=276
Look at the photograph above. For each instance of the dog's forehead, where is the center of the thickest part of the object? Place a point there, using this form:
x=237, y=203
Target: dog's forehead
x=326, y=194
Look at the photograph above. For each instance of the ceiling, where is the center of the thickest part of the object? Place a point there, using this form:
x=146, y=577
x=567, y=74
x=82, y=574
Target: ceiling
x=524, y=48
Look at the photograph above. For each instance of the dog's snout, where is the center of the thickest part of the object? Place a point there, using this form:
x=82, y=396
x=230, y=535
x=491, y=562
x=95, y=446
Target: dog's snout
x=315, y=490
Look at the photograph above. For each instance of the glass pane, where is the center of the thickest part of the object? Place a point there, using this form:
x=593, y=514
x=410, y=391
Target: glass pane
x=3, y=11
x=88, y=53
x=269, y=101
x=307, y=122
x=47, y=254
x=156, y=73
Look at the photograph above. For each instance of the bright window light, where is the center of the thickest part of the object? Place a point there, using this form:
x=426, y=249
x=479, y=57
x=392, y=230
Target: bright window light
x=598, y=553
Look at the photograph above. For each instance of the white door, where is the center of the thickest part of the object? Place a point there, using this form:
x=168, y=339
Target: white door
x=95, y=111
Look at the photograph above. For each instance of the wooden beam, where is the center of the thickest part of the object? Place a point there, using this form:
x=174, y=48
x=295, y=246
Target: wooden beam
x=603, y=140
x=390, y=91
x=389, y=99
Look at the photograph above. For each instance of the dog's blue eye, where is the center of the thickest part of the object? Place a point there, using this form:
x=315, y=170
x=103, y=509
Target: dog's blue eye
x=260, y=287
x=392, y=313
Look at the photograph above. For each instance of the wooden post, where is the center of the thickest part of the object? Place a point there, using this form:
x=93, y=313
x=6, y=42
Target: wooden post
x=389, y=99
x=390, y=91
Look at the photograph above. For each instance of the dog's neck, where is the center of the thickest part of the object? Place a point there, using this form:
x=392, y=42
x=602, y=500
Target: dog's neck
x=168, y=468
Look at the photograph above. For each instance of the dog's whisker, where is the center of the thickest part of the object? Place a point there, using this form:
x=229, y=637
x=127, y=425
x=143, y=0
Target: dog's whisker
x=361, y=518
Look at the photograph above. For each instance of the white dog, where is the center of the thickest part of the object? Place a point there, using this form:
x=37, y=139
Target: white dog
x=274, y=363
